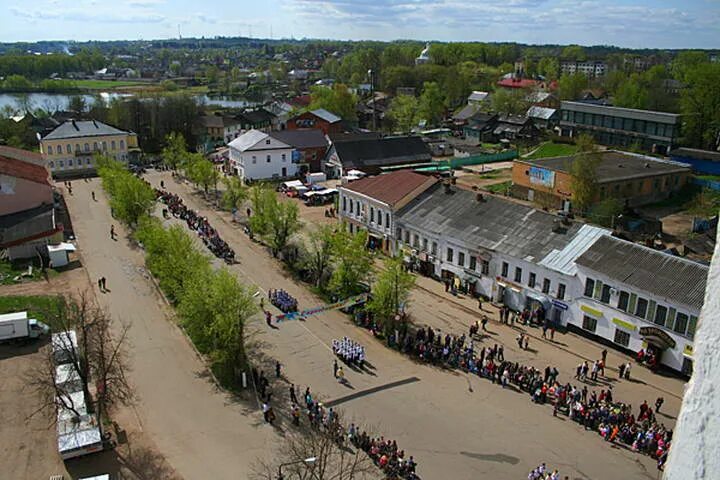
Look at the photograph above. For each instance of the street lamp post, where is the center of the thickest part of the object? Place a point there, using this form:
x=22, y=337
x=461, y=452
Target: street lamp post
x=371, y=75
x=307, y=461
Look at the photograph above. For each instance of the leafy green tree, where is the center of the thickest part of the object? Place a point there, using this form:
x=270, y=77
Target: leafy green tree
x=403, y=112
x=130, y=197
x=17, y=83
x=506, y=101
x=175, y=150
x=574, y=52
x=583, y=174
x=631, y=94
x=700, y=105
x=390, y=292
x=353, y=263
x=235, y=193
x=320, y=254
x=431, y=104
x=283, y=221
x=202, y=171
x=549, y=67
x=605, y=212
x=263, y=200
x=336, y=99
x=571, y=86
x=214, y=311
x=687, y=61
x=77, y=104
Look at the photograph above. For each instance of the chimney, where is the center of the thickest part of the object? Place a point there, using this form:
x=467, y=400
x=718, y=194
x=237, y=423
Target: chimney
x=558, y=226
x=75, y=125
x=95, y=124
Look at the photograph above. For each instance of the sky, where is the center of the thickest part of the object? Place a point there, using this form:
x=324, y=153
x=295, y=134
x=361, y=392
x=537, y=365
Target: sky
x=625, y=23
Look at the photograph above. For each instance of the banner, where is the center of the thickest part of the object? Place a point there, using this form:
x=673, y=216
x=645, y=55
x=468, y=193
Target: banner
x=348, y=302
x=542, y=176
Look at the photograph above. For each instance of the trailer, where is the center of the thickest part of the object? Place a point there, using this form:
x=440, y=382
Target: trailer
x=17, y=327
x=79, y=435
x=64, y=346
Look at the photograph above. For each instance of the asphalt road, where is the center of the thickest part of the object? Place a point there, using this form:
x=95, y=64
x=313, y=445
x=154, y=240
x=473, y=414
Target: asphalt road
x=456, y=426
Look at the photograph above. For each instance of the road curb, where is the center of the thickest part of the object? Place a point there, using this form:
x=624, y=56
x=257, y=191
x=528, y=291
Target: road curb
x=543, y=340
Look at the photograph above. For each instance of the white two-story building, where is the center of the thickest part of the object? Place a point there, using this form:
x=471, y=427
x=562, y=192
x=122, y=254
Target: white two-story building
x=640, y=298
x=256, y=155
x=371, y=203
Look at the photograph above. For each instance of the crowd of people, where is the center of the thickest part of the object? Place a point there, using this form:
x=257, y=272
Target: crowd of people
x=349, y=351
x=541, y=472
x=201, y=225
x=597, y=412
x=283, y=300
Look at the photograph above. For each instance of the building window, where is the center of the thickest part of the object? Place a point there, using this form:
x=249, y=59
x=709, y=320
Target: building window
x=387, y=220
x=485, y=267
x=518, y=274
x=112, y=145
x=267, y=142
x=50, y=150
x=87, y=147
x=87, y=160
x=62, y=164
x=546, y=285
x=425, y=244
x=531, y=280
x=282, y=157
x=70, y=163
x=681, y=322
x=623, y=301
x=379, y=218
x=122, y=144
x=372, y=215
x=407, y=236
x=416, y=240
x=345, y=209
x=77, y=147
x=433, y=250
x=605, y=294
x=641, y=308
x=461, y=259
x=660, y=315
x=267, y=159
x=59, y=149
x=691, y=327
x=561, y=291
x=622, y=337
x=104, y=146
x=95, y=146
x=473, y=262
x=589, y=323
x=589, y=287
x=254, y=160
x=450, y=255
x=505, y=268
x=52, y=164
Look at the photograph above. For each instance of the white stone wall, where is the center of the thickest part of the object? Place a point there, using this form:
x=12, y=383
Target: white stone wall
x=695, y=452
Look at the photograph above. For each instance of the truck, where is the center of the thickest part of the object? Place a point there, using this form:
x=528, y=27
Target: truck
x=18, y=327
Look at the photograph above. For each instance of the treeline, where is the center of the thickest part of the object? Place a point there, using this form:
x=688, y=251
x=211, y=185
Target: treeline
x=212, y=305
x=42, y=66
x=19, y=83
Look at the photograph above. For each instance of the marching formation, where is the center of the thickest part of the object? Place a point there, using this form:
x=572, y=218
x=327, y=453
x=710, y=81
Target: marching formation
x=207, y=234
x=283, y=300
x=349, y=351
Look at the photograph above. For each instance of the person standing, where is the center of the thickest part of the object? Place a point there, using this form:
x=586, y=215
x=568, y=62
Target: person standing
x=100, y=285
x=293, y=397
x=604, y=357
x=480, y=300
x=621, y=370
x=335, y=368
x=627, y=371
x=277, y=369
x=658, y=404
x=112, y=232
x=93, y=196
x=104, y=284
x=484, y=323
x=340, y=374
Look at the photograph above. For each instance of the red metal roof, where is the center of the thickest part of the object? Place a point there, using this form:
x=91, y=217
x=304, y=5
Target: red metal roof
x=517, y=83
x=20, y=169
x=392, y=187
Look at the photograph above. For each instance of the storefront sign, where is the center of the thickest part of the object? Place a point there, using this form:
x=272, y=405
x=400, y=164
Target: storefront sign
x=472, y=273
x=688, y=350
x=623, y=324
x=559, y=305
x=504, y=283
x=659, y=336
x=542, y=176
x=591, y=311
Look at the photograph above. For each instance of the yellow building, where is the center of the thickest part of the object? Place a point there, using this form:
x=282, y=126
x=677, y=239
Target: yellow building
x=69, y=149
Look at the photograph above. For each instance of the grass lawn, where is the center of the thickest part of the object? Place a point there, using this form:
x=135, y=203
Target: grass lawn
x=549, y=149
x=36, y=306
x=10, y=270
x=107, y=84
x=710, y=178
x=499, y=188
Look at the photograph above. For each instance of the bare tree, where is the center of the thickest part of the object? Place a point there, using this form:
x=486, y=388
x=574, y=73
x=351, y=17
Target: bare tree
x=88, y=351
x=315, y=454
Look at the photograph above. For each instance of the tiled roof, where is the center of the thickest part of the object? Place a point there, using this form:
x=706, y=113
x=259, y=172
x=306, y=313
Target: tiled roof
x=79, y=129
x=382, y=152
x=301, y=138
x=391, y=187
x=20, y=169
x=516, y=83
x=680, y=280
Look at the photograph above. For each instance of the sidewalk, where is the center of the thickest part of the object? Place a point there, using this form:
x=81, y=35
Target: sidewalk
x=580, y=347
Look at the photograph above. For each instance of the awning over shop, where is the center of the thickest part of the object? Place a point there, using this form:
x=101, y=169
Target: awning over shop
x=657, y=337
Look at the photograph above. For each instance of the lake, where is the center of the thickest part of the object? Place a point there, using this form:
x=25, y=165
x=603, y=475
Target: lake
x=60, y=101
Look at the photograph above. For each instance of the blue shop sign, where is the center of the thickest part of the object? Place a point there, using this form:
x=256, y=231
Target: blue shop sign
x=559, y=305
